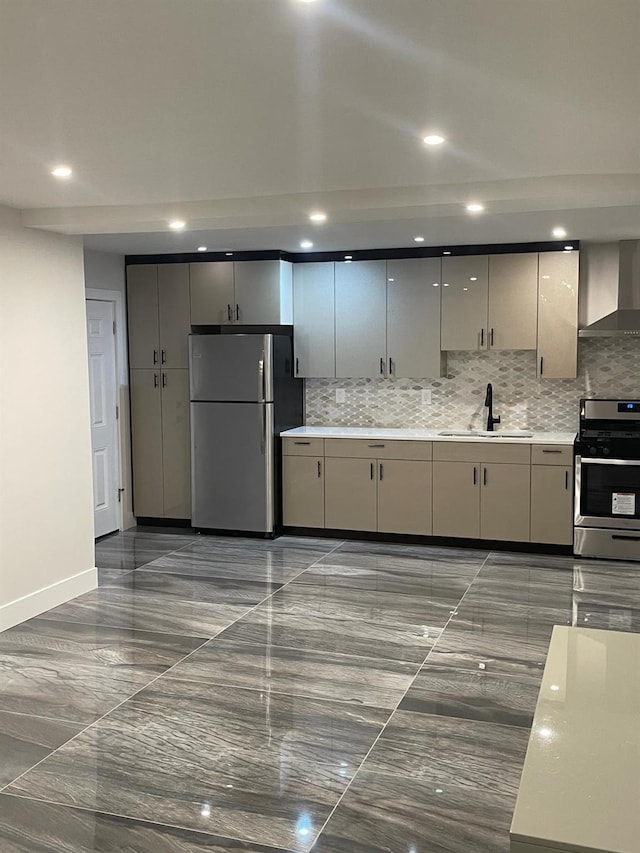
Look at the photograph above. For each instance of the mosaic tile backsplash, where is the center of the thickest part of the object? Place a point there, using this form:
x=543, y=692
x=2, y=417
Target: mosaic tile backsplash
x=607, y=367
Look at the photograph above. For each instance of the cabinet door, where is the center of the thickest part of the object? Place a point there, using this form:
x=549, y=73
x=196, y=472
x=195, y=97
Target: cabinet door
x=303, y=491
x=258, y=296
x=361, y=319
x=456, y=499
x=505, y=502
x=174, y=313
x=176, y=453
x=552, y=504
x=146, y=435
x=142, y=312
x=465, y=294
x=558, y=315
x=313, y=320
x=413, y=318
x=350, y=494
x=404, y=497
x=513, y=301
x=211, y=286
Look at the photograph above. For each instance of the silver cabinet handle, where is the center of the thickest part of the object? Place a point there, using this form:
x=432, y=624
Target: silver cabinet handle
x=475, y=476
x=390, y=366
x=372, y=470
x=155, y=356
x=164, y=379
x=484, y=477
x=481, y=337
x=552, y=451
x=381, y=472
x=491, y=337
x=155, y=380
x=229, y=313
x=541, y=365
x=566, y=480
x=382, y=367
x=319, y=469
x=237, y=312
x=163, y=357
x=375, y=445
x=302, y=442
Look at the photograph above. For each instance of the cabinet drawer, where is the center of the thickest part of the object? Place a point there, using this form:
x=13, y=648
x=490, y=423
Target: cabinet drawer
x=488, y=450
x=552, y=454
x=303, y=446
x=358, y=448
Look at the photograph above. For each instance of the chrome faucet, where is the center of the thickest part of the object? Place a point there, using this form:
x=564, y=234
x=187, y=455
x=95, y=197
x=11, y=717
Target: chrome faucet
x=488, y=401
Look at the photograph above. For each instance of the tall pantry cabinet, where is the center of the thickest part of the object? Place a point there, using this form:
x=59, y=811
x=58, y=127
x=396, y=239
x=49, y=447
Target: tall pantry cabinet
x=159, y=324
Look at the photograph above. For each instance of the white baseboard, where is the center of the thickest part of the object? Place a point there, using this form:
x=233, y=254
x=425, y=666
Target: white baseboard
x=44, y=599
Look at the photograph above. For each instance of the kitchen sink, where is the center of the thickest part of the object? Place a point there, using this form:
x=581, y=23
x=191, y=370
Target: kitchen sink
x=474, y=433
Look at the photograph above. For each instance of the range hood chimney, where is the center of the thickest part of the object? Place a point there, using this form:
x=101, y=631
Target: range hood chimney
x=625, y=320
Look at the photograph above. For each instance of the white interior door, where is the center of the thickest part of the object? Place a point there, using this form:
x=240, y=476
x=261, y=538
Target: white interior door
x=103, y=396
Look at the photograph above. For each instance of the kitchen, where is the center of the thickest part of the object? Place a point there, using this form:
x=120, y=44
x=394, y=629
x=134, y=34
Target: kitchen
x=313, y=167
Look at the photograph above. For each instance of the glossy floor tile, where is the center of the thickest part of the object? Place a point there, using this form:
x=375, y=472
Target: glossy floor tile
x=115, y=607
x=131, y=549
x=233, y=762
x=299, y=672
x=78, y=672
x=235, y=695
x=25, y=740
x=473, y=695
x=28, y=826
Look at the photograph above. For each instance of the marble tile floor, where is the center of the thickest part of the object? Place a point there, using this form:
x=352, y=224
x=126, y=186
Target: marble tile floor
x=253, y=696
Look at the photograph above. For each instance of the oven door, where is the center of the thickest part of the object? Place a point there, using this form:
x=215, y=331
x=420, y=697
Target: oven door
x=607, y=493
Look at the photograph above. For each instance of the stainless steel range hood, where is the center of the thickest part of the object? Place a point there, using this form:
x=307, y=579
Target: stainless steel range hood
x=625, y=320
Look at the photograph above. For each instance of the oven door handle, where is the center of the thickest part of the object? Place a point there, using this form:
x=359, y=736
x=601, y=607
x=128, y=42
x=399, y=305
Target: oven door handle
x=628, y=462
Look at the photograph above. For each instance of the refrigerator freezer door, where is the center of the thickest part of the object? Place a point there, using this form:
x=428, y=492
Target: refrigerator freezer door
x=232, y=459
x=231, y=368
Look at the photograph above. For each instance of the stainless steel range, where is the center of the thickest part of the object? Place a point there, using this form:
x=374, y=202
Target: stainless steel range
x=607, y=485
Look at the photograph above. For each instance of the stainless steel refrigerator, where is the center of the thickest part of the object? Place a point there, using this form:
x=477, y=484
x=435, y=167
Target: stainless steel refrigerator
x=243, y=393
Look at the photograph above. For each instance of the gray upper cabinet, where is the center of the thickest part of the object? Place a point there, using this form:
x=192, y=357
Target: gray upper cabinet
x=361, y=318
x=263, y=292
x=558, y=315
x=314, y=320
x=465, y=299
x=142, y=313
x=513, y=296
x=244, y=293
x=212, y=297
x=413, y=318
x=173, y=313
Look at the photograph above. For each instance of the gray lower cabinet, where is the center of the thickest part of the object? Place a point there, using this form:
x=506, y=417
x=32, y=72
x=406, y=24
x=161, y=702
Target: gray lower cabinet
x=160, y=443
x=456, y=503
x=350, y=494
x=552, y=504
x=303, y=491
x=505, y=502
x=404, y=496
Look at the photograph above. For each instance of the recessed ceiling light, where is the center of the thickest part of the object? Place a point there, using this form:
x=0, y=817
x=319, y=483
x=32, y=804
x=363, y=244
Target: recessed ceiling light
x=318, y=216
x=418, y=239
x=446, y=253
x=465, y=288
x=391, y=279
x=348, y=257
x=559, y=233
x=228, y=254
x=62, y=172
x=436, y=284
x=568, y=248
x=202, y=248
x=177, y=224
x=475, y=207
x=473, y=278
x=433, y=139
x=306, y=244
x=446, y=284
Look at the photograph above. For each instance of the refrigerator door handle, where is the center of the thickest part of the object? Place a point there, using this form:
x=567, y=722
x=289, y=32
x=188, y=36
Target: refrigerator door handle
x=263, y=429
x=261, y=379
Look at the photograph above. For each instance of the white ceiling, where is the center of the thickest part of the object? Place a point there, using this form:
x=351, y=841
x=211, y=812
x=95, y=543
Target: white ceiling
x=242, y=116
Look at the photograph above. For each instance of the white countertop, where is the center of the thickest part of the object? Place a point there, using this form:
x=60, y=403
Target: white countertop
x=580, y=786
x=376, y=433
